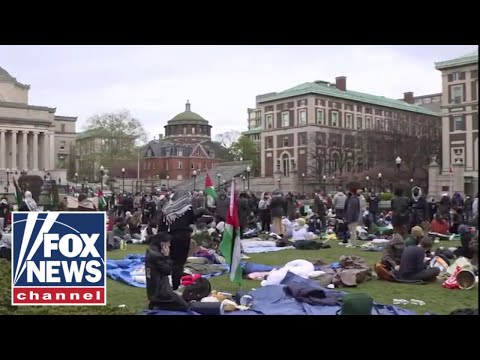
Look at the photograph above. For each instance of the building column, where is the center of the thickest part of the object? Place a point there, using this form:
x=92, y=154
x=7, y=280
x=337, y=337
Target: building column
x=3, y=149
x=14, y=149
x=52, y=154
x=25, y=151
x=46, y=150
x=35, y=151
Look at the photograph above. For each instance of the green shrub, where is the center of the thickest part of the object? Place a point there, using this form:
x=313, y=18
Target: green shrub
x=386, y=196
x=7, y=309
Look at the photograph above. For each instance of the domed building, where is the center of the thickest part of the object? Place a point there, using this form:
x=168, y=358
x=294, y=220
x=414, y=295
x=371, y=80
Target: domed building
x=187, y=127
x=185, y=148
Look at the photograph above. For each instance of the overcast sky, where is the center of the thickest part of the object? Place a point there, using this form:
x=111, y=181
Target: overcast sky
x=221, y=82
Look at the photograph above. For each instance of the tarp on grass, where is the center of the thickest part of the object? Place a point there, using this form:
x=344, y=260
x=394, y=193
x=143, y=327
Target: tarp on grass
x=131, y=270
x=272, y=300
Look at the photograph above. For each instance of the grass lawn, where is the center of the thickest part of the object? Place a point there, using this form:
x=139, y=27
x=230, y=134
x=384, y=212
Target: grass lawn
x=438, y=300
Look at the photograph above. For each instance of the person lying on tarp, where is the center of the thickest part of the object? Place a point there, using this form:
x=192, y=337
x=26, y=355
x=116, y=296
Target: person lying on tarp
x=413, y=265
x=158, y=267
x=439, y=225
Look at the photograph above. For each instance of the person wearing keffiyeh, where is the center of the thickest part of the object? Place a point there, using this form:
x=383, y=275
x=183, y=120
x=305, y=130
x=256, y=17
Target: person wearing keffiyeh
x=176, y=218
x=28, y=203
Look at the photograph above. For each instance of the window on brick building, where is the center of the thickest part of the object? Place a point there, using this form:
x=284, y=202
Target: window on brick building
x=302, y=117
x=302, y=139
x=269, y=121
x=285, y=141
x=320, y=117
x=335, y=118
x=456, y=94
x=349, y=121
x=269, y=143
x=368, y=110
x=368, y=122
x=359, y=122
x=458, y=123
x=378, y=112
x=180, y=165
x=285, y=119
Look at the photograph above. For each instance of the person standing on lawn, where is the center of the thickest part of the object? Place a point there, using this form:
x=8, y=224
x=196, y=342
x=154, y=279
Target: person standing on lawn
x=352, y=213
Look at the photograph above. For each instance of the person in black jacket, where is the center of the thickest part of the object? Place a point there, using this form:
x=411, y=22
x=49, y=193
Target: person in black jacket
x=419, y=207
x=176, y=219
x=158, y=266
x=278, y=210
x=373, y=201
x=432, y=209
x=401, y=212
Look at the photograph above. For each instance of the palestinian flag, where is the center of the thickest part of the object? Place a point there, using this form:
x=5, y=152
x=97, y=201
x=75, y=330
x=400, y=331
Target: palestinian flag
x=230, y=245
x=102, y=203
x=210, y=192
x=18, y=193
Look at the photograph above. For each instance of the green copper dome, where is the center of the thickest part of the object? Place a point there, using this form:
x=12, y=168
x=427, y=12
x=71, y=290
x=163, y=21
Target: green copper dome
x=187, y=116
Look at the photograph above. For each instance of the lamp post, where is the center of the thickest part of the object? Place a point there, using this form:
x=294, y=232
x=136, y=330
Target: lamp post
x=101, y=177
x=243, y=181
x=411, y=181
x=367, y=179
x=324, y=178
x=398, y=162
x=8, y=179
x=278, y=180
x=194, y=173
x=123, y=180
x=303, y=184
x=168, y=182
x=218, y=179
x=380, y=181
x=248, y=177
x=333, y=182
x=76, y=182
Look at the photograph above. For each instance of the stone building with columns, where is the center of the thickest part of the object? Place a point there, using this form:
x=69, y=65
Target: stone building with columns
x=458, y=169
x=32, y=138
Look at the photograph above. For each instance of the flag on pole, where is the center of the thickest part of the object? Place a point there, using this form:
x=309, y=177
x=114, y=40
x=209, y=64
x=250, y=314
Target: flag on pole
x=230, y=245
x=210, y=192
x=102, y=203
x=18, y=193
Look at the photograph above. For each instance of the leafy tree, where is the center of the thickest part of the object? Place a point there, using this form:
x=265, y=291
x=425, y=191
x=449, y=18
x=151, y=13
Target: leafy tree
x=245, y=150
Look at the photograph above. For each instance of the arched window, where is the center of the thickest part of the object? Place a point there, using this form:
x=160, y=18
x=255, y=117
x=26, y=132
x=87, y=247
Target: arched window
x=335, y=162
x=193, y=130
x=286, y=164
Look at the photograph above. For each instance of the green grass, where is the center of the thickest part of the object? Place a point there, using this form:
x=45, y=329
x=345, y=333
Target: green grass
x=438, y=300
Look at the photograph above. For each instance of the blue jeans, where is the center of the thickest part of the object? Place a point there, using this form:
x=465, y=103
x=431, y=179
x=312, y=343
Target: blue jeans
x=373, y=217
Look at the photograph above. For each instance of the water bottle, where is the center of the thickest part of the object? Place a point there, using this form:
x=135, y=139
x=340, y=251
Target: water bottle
x=246, y=300
x=122, y=244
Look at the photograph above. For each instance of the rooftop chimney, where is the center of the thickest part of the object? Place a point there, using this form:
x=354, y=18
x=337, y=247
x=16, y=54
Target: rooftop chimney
x=341, y=82
x=408, y=97
x=187, y=106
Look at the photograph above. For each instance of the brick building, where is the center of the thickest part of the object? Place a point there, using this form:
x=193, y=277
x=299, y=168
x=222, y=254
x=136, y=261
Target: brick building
x=186, y=147
x=326, y=117
x=459, y=166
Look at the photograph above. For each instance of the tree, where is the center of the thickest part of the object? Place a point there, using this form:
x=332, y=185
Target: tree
x=119, y=134
x=245, y=150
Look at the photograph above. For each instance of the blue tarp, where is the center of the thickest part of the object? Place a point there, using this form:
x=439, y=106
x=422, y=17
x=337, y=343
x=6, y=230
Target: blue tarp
x=272, y=300
x=125, y=270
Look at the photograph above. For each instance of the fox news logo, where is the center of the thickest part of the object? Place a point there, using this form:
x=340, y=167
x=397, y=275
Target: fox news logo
x=58, y=258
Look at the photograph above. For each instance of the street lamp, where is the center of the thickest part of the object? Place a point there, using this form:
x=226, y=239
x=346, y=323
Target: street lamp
x=101, y=177
x=123, y=179
x=194, y=173
x=324, y=178
x=168, y=182
x=411, y=181
x=367, y=179
x=278, y=180
x=8, y=179
x=398, y=161
x=243, y=181
x=76, y=181
x=218, y=179
x=303, y=184
x=380, y=181
x=248, y=177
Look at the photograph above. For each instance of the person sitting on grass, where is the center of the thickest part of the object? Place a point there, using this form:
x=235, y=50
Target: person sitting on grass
x=158, y=267
x=120, y=231
x=414, y=238
x=150, y=231
x=413, y=265
x=465, y=239
x=439, y=225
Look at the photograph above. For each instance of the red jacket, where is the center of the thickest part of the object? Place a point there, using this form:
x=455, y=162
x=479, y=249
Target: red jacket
x=440, y=227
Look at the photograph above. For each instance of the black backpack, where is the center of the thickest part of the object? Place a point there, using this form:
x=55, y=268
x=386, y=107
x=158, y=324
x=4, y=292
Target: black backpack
x=197, y=291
